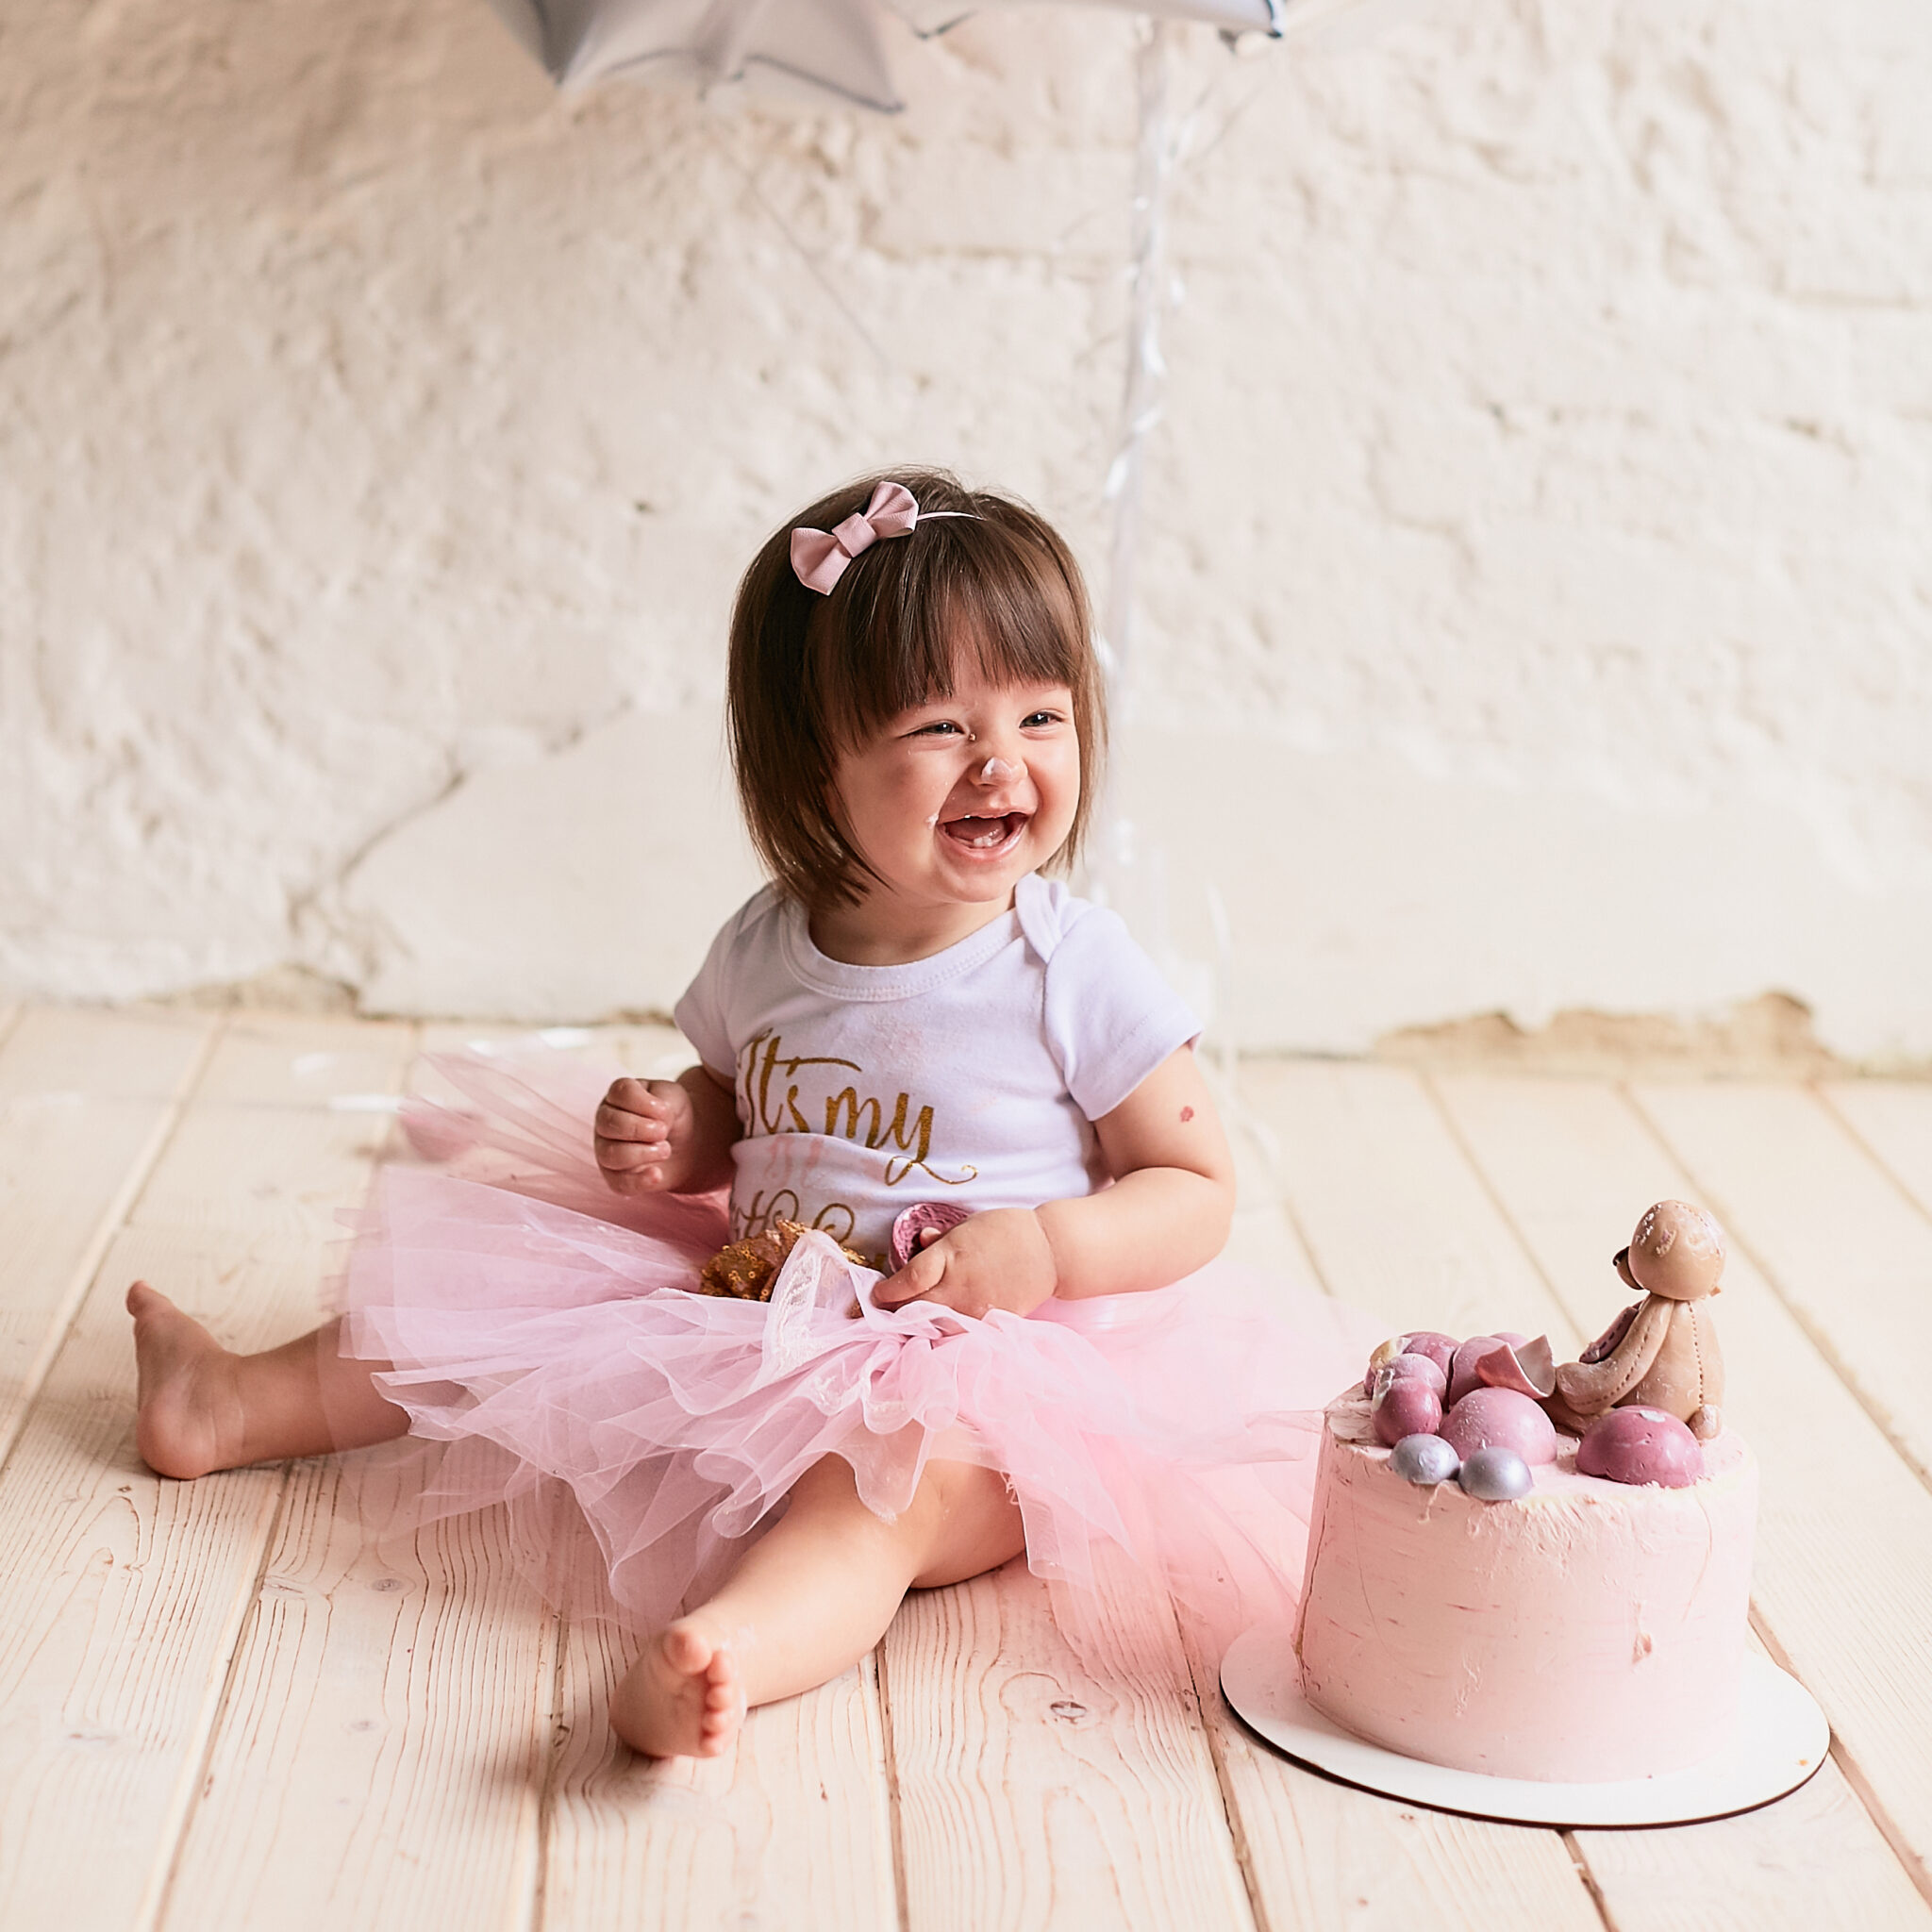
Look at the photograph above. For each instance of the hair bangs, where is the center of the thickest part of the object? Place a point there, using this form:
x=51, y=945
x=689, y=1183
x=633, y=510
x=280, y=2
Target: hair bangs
x=976, y=598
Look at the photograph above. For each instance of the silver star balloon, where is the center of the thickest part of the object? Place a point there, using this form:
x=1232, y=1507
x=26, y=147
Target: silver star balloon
x=830, y=49
x=827, y=48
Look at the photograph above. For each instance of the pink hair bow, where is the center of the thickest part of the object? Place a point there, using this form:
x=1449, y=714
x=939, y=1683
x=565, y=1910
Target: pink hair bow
x=820, y=556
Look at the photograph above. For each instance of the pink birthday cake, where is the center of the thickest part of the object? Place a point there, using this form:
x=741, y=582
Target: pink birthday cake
x=1540, y=1572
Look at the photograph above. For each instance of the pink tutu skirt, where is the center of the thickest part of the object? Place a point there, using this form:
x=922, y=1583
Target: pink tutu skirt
x=543, y=1332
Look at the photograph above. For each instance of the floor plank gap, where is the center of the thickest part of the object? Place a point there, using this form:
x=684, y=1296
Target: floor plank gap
x=553, y=1777
x=156, y=1913
x=894, y=1806
x=1588, y=1878
x=1871, y=1150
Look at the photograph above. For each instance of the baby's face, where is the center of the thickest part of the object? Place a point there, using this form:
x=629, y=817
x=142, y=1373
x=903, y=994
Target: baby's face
x=955, y=802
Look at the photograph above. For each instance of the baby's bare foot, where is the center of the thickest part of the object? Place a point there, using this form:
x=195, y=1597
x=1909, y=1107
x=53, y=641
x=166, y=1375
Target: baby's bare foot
x=682, y=1697
x=189, y=1418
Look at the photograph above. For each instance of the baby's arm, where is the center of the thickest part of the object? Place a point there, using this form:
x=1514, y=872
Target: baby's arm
x=1168, y=1213
x=667, y=1135
x=1172, y=1203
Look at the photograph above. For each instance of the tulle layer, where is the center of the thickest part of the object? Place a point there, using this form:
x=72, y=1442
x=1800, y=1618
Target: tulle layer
x=562, y=1359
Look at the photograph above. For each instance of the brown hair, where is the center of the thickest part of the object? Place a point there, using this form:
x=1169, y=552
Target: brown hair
x=812, y=676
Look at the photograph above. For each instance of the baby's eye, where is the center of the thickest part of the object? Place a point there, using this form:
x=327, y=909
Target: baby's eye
x=1039, y=719
x=936, y=727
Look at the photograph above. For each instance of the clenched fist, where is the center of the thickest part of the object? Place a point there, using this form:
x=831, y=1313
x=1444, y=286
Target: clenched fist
x=645, y=1131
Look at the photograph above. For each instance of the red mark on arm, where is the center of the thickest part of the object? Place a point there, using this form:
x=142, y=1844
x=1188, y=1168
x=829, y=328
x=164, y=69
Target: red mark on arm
x=1187, y=1113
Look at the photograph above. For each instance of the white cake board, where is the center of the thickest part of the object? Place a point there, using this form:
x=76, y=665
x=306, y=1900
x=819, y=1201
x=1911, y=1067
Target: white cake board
x=1780, y=1741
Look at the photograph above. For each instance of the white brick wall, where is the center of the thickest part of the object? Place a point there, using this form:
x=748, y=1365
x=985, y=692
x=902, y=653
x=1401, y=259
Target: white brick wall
x=1538, y=580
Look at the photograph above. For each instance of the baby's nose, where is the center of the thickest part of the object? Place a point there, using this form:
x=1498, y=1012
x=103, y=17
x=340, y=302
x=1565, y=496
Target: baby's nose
x=997, y=770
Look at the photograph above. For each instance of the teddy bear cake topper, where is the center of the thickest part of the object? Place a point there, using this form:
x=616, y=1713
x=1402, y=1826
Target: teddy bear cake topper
x=1642, y=1399
x=1661, y=1352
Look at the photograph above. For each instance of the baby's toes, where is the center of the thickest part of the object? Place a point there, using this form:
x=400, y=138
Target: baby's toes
x=688, y=1653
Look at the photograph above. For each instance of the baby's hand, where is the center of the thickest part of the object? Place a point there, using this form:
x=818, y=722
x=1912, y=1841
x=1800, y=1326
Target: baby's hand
x=998, y=1259
x=644, y=1129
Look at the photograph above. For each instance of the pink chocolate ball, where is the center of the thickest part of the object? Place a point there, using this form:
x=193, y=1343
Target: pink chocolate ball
x=1500, y=1418
x=1418, y=1366
x=1641, y=1445
x=1462, y=1375
x=1439, y=1348
x=1409, y=1407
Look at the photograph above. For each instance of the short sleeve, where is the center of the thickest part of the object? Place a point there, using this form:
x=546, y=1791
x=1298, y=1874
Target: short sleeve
x=701, y=1014
x=1110, y=1017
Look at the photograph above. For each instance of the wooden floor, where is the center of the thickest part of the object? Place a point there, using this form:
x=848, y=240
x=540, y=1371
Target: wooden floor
x=220, y=1706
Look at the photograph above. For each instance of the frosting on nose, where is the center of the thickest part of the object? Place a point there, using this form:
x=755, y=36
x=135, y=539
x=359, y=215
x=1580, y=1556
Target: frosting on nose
x=998, y=771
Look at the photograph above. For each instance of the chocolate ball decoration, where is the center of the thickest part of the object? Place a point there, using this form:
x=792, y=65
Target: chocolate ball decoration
x=1418, y=1366
x=1495, y=1474
x=1439, y=1348
x=1641, y=1445
x=1500, y=1418
x=1385, y=1353
x=1407, y=1406
x=1424, y=1459
x=1462, y=1372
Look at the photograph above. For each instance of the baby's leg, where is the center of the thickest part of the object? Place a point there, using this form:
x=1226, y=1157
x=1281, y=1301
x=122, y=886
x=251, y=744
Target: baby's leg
x=201, y=1408
x=813, y=1595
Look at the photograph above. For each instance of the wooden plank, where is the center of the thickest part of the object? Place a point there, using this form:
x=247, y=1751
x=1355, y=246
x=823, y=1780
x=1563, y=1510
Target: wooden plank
x=294, y=1059
x=1321, y=1854
x=792, y=1829
x=139, y=1053
x=1894, y=1120
x=1036, y=1794
x=651, y=1053
x=125, y=1595
x=1263, y=1237
x=119, y=1604
x=1394, y=1217
x=271, y=1181
x=1814, y=1862
x=380, y=1753
x=72, y=1159
x=380, y=1757
x=1849, y=1253
x=1845, y=1538
x=1397, y=1222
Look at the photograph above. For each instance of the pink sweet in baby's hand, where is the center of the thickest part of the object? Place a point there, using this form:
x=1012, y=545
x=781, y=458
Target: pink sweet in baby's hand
x=921, y=1224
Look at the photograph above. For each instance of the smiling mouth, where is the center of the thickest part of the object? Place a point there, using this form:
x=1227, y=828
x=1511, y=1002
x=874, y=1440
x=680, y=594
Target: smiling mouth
x=986, y=835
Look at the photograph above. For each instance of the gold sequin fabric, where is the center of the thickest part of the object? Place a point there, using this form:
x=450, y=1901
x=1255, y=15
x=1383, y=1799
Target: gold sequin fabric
x=746, y=1269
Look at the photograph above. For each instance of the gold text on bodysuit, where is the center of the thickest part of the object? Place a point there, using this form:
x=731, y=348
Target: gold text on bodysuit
x=769, y=1084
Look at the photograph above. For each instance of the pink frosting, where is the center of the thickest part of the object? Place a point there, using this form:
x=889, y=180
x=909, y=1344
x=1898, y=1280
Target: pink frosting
x=1587, y=1632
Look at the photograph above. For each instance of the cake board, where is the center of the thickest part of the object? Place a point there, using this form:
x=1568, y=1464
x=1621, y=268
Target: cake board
x=1780, y=1741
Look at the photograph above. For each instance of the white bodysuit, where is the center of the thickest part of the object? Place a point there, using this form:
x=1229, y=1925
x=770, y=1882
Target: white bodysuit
x=971, y=1077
